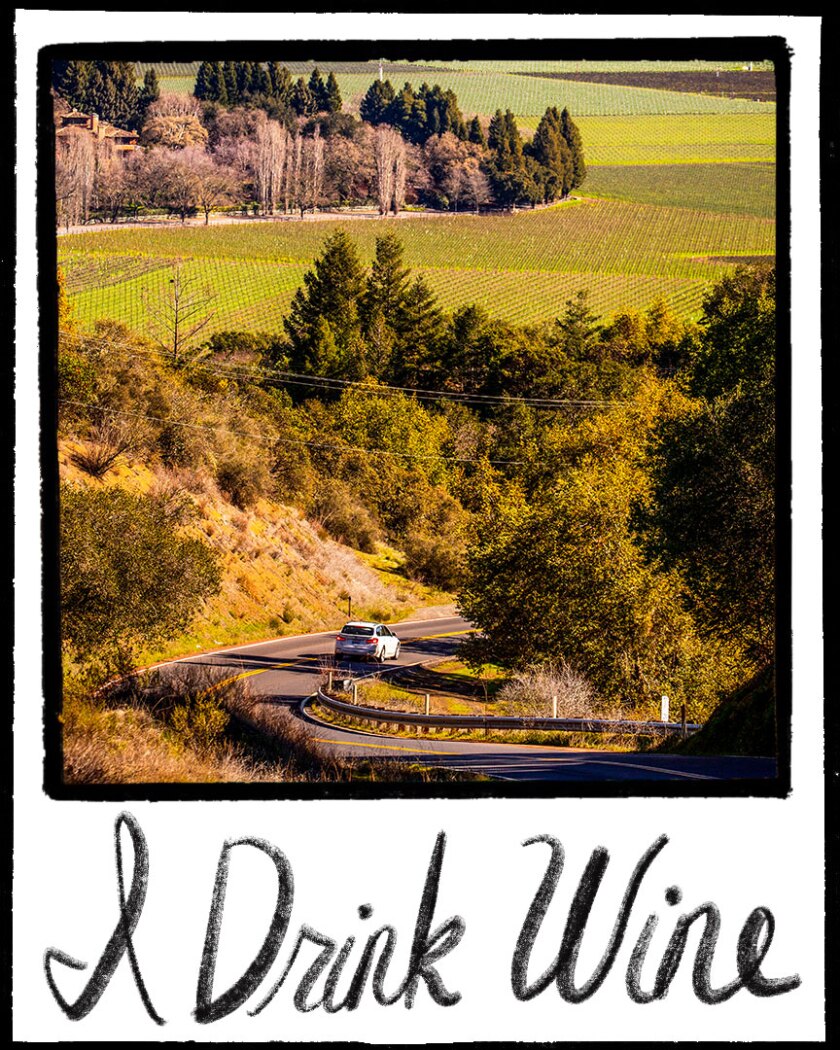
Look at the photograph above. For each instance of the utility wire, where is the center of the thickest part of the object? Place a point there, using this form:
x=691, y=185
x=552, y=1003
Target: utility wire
x=288, y=441
x=380, y=390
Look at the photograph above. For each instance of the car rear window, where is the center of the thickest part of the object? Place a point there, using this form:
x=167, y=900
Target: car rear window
x=352, y=629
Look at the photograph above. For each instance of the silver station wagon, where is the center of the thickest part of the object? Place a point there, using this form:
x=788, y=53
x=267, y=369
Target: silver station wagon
x=366, y=640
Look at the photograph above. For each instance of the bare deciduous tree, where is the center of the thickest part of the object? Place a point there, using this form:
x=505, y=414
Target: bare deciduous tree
x=75, y=165
x=211, y=184
x=179, y=313
x=272, y=156
x=176, y=132
x=389, y=161
x=170, y=104
x=313, y=171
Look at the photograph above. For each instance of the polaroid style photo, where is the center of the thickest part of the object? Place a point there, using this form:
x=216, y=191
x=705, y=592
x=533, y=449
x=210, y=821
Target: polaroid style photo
x=429, y=478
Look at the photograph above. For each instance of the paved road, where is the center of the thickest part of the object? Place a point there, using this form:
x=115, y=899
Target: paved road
x=286, y=670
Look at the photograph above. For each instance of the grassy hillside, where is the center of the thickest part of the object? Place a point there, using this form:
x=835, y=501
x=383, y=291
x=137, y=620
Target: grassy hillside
x=280, y=574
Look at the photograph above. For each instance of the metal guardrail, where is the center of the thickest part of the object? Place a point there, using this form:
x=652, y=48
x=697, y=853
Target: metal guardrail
x=486, y=722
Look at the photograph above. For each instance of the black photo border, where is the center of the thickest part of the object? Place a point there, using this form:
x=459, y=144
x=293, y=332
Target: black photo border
x=773, y=48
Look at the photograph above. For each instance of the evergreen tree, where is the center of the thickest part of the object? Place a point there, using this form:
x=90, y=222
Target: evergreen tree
x=205, y=90
x=218, y=84
x=231, y=84
x=496, y=131
x=451, y=115
x=575, y=144
x=576, y=331
x=73, y=83
x=475, y=133
x=260, y=83
x=416, y=127
x=302, y=100
x=243, y=80
x=281, y=82
x=377, y=99
x=333, y=95
x=331, y=293
x=419, y=329
x=318, y=90
x=149, y=94
x=387, y=284
x=511, y=181
x=551, y=152
x=398, y=111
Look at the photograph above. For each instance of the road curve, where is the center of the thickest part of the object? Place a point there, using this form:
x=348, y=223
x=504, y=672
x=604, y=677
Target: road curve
x=286, y=671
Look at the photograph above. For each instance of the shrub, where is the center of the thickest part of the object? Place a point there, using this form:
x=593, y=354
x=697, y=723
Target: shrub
x=127, y=576
x=336, y=508
x=434, y=559
x=243, y=481
x=532, y=692
x=110, y=438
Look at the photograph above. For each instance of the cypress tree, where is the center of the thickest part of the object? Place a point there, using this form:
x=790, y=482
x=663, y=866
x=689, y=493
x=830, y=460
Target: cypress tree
x=377, y=98
x=318, y=90
x=551, y=153
x=334, y=102
x=260, y=83
x=203, y=89
x=476, y=132
x=218, y=84
x=150, y=92
x=331, y=292
x=282, y=84
x=398, y=111
x=231, y=86
x=243, y=80
x=302, y=100
x=575, y=144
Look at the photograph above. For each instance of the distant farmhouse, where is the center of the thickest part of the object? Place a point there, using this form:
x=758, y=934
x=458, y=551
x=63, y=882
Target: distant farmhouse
x=72, y=123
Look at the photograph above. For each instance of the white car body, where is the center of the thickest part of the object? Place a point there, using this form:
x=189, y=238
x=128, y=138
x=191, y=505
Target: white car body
x=365, y=639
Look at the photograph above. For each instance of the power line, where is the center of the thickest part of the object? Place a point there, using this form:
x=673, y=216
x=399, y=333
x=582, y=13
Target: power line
x=380, y=390
x=287, y=441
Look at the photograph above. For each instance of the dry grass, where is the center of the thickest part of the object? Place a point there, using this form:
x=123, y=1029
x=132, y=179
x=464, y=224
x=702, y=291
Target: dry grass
x=206, y=729
x=279, y=575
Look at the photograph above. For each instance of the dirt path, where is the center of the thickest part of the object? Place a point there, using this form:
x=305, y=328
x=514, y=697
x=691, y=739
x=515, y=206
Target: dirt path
x=321, y=216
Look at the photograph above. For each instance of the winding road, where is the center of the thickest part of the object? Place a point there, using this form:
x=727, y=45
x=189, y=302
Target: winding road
x=286, y=671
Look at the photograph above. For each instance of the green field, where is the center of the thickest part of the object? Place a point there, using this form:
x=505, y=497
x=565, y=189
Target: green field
x=679, y=186
x=743, y=189
x=698, y=139
x=189, y=69
x=522, y=267
x=485, y=88
x=485, y=92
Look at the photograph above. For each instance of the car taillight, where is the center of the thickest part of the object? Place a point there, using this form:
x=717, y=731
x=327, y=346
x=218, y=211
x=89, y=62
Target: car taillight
x=370, y=641
x=341, y=638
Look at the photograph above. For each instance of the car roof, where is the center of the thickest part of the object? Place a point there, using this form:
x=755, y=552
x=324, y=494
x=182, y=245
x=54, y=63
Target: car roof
x=363, y=623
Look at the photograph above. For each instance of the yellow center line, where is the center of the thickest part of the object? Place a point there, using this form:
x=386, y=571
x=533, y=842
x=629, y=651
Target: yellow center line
x=380, y=747
x=262, y=670
x=429, y=637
